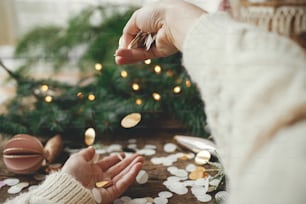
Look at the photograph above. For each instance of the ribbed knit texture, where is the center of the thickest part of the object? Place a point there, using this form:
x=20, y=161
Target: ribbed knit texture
x=57, y=188
x=249, y=80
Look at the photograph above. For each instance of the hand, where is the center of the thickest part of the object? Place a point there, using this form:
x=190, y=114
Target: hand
x=225, y=6
x=122, y=173
x=169, y=19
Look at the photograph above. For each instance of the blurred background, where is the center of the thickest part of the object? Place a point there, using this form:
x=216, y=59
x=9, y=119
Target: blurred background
x=67, y=40
x=17, y=17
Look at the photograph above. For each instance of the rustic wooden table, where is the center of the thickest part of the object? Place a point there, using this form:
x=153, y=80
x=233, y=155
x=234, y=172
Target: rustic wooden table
x=157, y=173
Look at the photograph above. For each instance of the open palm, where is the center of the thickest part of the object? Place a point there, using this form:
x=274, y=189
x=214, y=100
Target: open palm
x=110, y=168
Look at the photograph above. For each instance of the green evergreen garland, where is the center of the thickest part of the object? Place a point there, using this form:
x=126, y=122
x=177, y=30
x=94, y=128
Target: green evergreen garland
x=48, y=107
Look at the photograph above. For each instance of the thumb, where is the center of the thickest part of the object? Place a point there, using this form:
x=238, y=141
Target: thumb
x=88, y=153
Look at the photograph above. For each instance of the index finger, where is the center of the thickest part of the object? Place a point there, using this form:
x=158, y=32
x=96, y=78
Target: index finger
x=109, y=161
x=129, y=32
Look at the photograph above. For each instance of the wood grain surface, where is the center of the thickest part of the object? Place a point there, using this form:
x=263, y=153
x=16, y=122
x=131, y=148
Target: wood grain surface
x=157, y=173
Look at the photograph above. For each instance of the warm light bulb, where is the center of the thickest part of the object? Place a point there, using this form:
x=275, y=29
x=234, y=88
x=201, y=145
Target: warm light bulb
x=124, y=74
x=80, y=95
x=44, y=88
x=98, y=66
x=188, y=83
x=157, y=69
x=169, y=73
x=156, y=96
x=138, y=101
x=135, y=86
x=148, y=61
x=91, y=97
x=177, y=89
x=48, y=99
x=179, y=80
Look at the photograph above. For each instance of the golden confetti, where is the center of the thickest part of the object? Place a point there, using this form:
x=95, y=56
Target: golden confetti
x=198, y=173
x=90, y=135
x=104, y=184
x=131, y=120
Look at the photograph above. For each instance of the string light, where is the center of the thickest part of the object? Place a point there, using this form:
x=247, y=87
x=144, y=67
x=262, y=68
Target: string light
x=169, y=73
x=138, y=101
x=135, y=86
x=80, y=95
x=157, y=69
x=179, y=80
x=91, y=97
x=48, y=99
x=156, y=96
x=188, y=83
x=44, y=88
x=148, y=61
x=124, y=74
x=177, y=89
x=98, y=66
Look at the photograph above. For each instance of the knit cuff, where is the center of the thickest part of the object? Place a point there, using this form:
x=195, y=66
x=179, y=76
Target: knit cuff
x=63, y=188
x=211, y=31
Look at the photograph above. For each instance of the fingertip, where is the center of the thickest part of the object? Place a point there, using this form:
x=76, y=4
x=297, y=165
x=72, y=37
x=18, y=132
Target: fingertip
x=120, y=43
x=140, y=157
x=88, y=153
x=139, y=165
x=91, y=149
x=118, y=59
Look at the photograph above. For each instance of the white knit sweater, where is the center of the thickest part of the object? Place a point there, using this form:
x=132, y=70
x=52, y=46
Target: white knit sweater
x=251, y=80
x=58, y=188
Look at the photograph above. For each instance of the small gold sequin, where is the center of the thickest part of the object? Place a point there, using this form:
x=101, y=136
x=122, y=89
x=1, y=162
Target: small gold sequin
x=89, y=135
x=104, y=184
x=198, y=173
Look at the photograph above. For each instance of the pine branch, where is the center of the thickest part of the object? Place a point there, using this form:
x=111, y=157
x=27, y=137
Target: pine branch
x=12, y=74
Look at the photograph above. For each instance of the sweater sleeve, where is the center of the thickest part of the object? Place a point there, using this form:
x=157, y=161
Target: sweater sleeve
x=57, y=188
x=250, y=80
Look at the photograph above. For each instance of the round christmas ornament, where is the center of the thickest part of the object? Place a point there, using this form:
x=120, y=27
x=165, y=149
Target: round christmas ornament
x=23, y=154
x=53, y=148
x=286, y=17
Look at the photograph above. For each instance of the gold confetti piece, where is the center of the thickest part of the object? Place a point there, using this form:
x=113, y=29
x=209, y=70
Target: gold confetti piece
x=200, y=168
x=104, y=184
x=198, y=173
x=142, y=40
x=131, y=120
x=89, y=135
x=185, y=157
